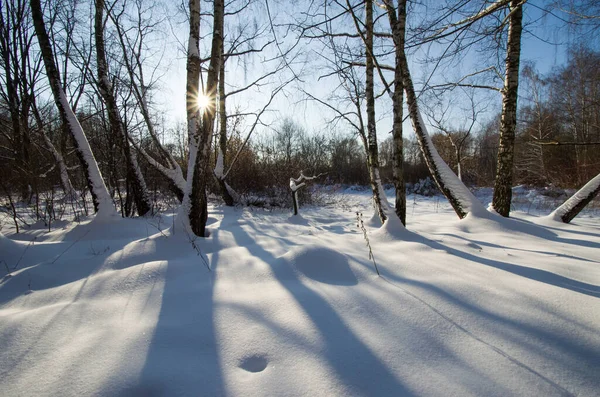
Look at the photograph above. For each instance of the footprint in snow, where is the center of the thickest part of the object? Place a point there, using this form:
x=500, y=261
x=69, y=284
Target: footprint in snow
x=254, y=363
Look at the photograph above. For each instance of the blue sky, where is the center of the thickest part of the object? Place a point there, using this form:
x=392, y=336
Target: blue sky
x=544, y=42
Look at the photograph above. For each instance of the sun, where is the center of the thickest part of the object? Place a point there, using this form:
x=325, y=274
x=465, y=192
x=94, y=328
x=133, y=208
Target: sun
x=203, y=101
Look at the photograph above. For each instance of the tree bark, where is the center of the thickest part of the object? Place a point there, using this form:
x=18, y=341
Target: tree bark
x=101, y=198
x=373, y=151
x=192, y=90
x=199, y=205
x=60, y=161
x=398, y=99
x=506, y=148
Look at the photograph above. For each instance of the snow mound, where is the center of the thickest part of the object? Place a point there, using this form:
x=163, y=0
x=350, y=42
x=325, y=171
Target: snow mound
x=391, y=230
x=321, y=264
x=8, y=248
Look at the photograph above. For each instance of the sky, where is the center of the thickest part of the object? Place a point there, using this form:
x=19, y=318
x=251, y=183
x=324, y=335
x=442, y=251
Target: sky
x=544, y=42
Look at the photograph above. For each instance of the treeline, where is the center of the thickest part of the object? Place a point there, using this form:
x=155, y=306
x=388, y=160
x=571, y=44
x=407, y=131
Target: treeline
x=79, y=113
x=558, y=139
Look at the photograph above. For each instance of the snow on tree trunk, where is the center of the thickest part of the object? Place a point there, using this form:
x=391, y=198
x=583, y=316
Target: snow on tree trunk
x=198, y=214
x=573, y=206
x=506, y=147
x=134, y=173
x=459, y=196
x=102, y=201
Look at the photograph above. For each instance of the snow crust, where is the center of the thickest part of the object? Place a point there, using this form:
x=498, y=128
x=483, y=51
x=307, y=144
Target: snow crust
x=480, y=306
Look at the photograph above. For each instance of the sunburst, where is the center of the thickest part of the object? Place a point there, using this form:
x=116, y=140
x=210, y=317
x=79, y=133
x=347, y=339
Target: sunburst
x=203, y=102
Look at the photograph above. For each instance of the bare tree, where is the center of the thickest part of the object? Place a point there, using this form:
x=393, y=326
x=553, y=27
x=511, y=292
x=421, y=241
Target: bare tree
x=101, y=198
x=459, y=136
x=461, y=199
x=135, y=66
x=134, y=173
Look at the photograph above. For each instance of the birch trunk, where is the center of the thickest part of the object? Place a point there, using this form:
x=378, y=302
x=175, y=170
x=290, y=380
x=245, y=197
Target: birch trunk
x=134, y=173
x=65, y=181
x=398, y=99
x=506, y=147
x=193, y=114
x=372, y=148
x=198, y=214
x=101, y=198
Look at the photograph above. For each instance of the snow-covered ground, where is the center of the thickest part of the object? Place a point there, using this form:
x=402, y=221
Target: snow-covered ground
x=487, y=307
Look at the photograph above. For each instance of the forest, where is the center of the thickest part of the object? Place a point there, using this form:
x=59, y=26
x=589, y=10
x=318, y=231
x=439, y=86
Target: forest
x=264, y=197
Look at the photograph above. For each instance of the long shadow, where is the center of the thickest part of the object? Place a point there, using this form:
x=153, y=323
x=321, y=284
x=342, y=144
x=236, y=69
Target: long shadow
x=574, y=354
x=354, y=363
x=63, y=263
x=543, y=232
x=183, y=358
x=481, y=243
x=540, y=275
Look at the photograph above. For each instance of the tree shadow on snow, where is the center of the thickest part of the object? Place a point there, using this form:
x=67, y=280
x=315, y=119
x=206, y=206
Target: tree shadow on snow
x=354, y=363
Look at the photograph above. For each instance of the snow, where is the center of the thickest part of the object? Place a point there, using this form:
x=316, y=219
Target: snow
x=479, y=306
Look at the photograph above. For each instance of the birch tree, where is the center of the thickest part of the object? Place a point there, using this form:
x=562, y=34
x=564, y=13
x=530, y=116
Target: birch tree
x=132, y=41
x=461, y=199
x=506, y=149
x=193, y=213
x=193, y=112
x=134, y=173
x=101, y=198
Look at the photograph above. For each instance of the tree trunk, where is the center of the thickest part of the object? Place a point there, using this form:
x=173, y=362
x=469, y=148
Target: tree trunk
x=134, y=174
x=573, y=206
x=398, y=99
x=193, y=114
x=199, y=207
x=506, y=148
x=101, y=198
x=373, y=151
x=461, y=199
